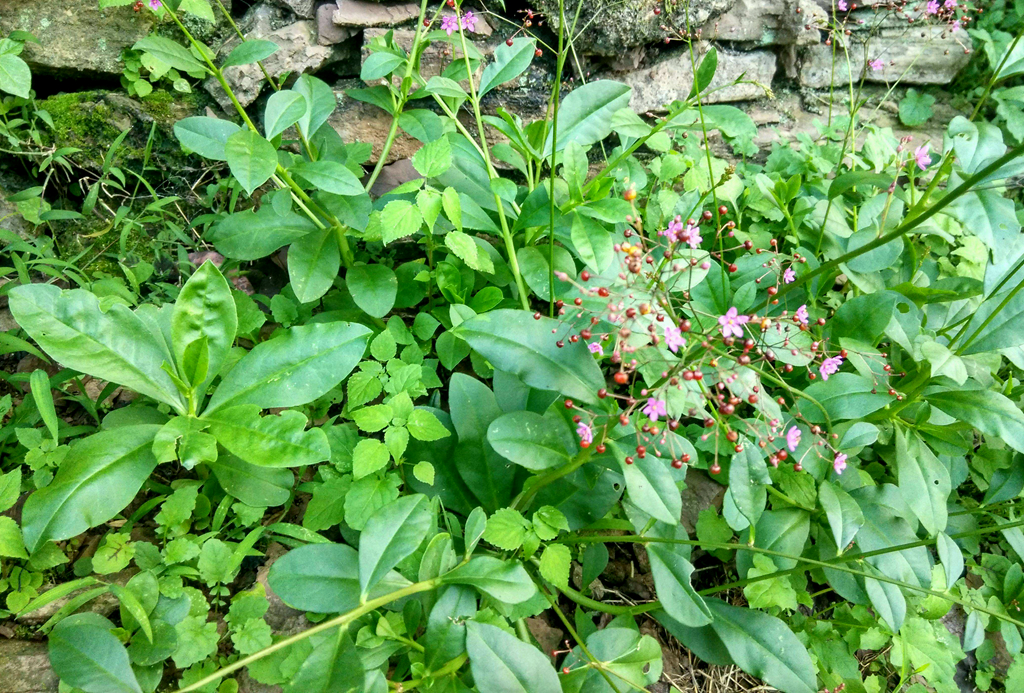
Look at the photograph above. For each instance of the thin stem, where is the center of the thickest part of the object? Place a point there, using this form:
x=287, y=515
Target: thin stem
x=556, y=93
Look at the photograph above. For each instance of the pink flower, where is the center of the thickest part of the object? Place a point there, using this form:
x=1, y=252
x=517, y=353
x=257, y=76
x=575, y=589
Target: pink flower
x=595, y=348
x=654, y=408
x=449, y=24
x=801, y=314
x=921, y=156
x=954, y=26
x=830, y=366
x=469, y=21
x=155, y=4
x=674, y=227
x=732, y=323
x=585, y=433
x=674, y=338
x=793, y=439
x=932, y=7
x=876, y=64
x=839, y=463
x=691, y=236
x=949, y=4
x=842, y=5
x=789, y=276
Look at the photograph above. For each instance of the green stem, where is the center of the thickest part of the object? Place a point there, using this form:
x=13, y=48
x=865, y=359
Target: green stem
x=556, y=93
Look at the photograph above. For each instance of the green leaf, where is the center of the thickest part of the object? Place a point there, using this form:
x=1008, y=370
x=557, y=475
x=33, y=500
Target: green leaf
x=333, y=665
x=323, y=578
x=251, y=158
x=368, y=456
x=379, y=65
x=531, y=440
x=503, y=663
x=205, y=136
x=249, y=51
x=433, y=158
x=216, y=562
x=555, y=562
x=269, y=441
x=952, y=558
x=509, y=63
x=373, y=418
x=757, y=643
x=11, y=543
x=989, y=216
x=990, y=412
x=864, y=317
x=130, y=603
x=71, y=328
x=182, y=438
x=1005, y=330
x=705, y=72
x=423, y=425
x=672, y=573
x=843, y=396
x=424, y=471
x=313, y=263
x=1005, y=484
x=467, y=250
x=39, y=383
x=772, y=592
x=284, y=108
x=390, y=535
x=197, y=639
x=923, y=481
x=171, y=53
x=259, y=487
x=592, y=242
x=199, y=8
x=398, y=219
x=844, y=515
x=367, y=496
x=100, y=475
x=15, y=76
x=585, y=115
x=252, y=235
x=373, y=288
x=329, y=176
x=204, y=310
x=748, y=477
x=524, y=347
x=294, y=368
x=506, y=529
x=506, y=581
x=650, y=486
x=320, y=103
x=916, y=108
x=85, y=654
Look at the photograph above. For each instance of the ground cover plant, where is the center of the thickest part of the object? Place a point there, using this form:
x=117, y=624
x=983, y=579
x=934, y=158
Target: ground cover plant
x=479, y=398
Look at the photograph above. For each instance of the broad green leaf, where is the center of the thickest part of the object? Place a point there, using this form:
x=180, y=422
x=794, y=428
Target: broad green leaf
x=915, y=108
x=1004, y=328
x=585, y=115
x=313, y=263
x=249, y=51
x=390, y=535
x=783, y=531
x=320, y=103
x=888, y=601
x=592, y=242
x=1006, y=483
x=844, y=515
x=467, y=250
x=252, y=235
x=502, y=663
x=205, y=136
x=171, y=53
x=423, y=425
x=398, y=219
x=251, y=158
x=433, y=158
x=379, y=65
x=952, y=558
x=329, y=176
x=204, y=312
x=990, y=412
x=705, y=72
x=368, y=456
x=671, y=572
x=923, y=481
x=295, y=368
x=373, y=288
x=259, y=487
x=100, y=475
x=284, y=108
x=85, y=654
x=757, y=643
x=864, y=317
x=536, y=269
x=531, y=440
x=445, y=637
x=509, y=63
x=39, y=383
x=268, y=441
x=15, y=76
x=130, y=604
x=443, y=86
x=12, y=545
x=526, y=348
x=748, y=477
x=198, y=8
x=625, y=654
x=843, y=396
x=71, y=328
x=334, y=666
x=990, y=216
x=506, y=581
x=506, y=529
x=650, y=486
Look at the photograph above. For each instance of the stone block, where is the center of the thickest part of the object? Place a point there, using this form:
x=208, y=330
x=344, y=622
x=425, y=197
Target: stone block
x=360, y=13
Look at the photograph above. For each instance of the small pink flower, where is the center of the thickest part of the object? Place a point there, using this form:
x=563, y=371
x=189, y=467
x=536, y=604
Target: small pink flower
x=921, y=156
x=595, y=348
x=674, y=228
x=932, y=7
x=950, y=4
x=692, y=236
x=155, y=4
x=732, y=323
x=449, y=24
x=954, y=26
x=839, y=463
x=830, y=366
x=674, y=338
x=801, y=314
x=793, y=439
x=789, y=276
x=842, y=5
x=654, y=408
x=585, y=433
x=876, y=64
x=469, y=21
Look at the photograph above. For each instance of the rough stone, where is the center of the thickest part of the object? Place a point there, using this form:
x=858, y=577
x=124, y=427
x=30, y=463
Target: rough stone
x=283, y=619
x=359, y=13
x=76, y=38
x=10, y=219
x=303, y=8
x=671, y=79
x=298, y=51
x=327, y=32
x=356, y=121
x=770, y=22
x=26, y=668
x=607, y=27
x=701, y=492
x=927, y=55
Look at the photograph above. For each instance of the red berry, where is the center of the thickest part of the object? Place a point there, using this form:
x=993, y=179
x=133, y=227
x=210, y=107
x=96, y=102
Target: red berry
x=538, y=52
x=621, y=378
x=715, y=469
x=584, y=444
x=568, y=404
x=600, y=449
x=602, y=292
x=723, y=210
x=508, y=42
x=678, y=464
x=629, y=460
x=602, y=393
x=657, y=11
x=536, y=316
x=584, y=275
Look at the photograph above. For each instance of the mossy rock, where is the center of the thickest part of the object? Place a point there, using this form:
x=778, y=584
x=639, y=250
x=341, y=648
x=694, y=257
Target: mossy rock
x=609, y=27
